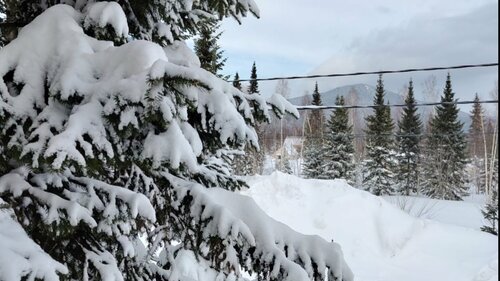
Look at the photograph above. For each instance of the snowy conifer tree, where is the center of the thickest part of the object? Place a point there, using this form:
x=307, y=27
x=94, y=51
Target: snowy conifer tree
x=475, y=135
x=237, y=82
x=490, y=213
x=339, y=145
x=408, y=139
x=446, y=151
x=242, y=163
x=208, y=50
x=313, y=143
x=102, y=141
x=477, y=146
x=380, y=165
x=255, y=154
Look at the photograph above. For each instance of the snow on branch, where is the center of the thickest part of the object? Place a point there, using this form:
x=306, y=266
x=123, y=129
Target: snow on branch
x=279, y=252
x=80, y=198
x=281, y=106
x=104, y=13
x=20, y=257
x=102, y=86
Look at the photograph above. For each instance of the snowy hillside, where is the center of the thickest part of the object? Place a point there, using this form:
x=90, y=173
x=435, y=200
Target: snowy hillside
x=380, y=242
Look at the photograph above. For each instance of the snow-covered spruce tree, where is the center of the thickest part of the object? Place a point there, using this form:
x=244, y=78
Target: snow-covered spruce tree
x=490, y=213
x=211, y=59
x=408, y=141
x=242, y=162
x=208, y=50
x=313, y=143
x=477, y=146
x=339, y=145
x=380, y=165
x=102, y=142
x=255, y=154
x=475, y=134
x=446, y=151
x=161, y=21
x=237, y=82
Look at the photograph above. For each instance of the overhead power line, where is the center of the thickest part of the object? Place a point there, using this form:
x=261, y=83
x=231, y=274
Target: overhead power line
x=395, y=134
x=373, y=72
x=309, y=107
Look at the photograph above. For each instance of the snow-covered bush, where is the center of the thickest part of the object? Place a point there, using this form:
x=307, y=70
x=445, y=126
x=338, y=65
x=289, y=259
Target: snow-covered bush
x=103, y=141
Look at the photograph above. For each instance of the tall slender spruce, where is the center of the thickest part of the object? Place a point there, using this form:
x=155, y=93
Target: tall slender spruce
x=477, y=148
x=313, y=143
x=243, y=164
x=257, y=155
x=208, y=50
x=339, y=145
x=380, y=165
x=475, y=134
x=446, y=151
x=408, y=139
x=237, y=82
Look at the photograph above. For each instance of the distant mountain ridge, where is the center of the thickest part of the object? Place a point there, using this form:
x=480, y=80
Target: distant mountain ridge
x=363, y=94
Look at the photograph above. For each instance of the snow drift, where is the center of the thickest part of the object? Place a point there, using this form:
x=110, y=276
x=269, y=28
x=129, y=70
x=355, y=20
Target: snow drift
x=380, y=242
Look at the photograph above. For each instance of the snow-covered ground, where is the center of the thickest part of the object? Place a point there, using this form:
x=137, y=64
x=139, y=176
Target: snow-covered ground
x=439, y=241
x=465, y=213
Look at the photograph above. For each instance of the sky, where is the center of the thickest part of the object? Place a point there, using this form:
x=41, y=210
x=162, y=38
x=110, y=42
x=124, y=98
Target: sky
x=300, y=37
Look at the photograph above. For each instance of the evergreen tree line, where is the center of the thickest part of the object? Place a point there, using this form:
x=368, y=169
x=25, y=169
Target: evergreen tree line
x=398, y=160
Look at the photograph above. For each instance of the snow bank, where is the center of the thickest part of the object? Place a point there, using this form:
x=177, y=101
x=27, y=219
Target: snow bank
x=380, y=242
x=465, y=213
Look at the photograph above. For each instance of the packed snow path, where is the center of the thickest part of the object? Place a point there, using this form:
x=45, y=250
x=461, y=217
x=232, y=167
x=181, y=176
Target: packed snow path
x=380, y=242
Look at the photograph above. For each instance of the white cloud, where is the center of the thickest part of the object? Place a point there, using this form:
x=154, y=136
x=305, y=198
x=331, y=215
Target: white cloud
x=427, y=41
x=296, y=37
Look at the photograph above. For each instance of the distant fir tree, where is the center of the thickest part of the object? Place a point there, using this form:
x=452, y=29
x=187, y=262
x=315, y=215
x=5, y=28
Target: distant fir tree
x=252, y=162
x=380, y=164
x=253, y=87
x=313, y=143
x=316, y=117
x=257, y=156
x=338, y=148
x=476, y=145
x=243, y=164
x=490, y=213
x=208, y=50
x=237, y=82
x=490, y=170
x=408, y=141
x=446, y=151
